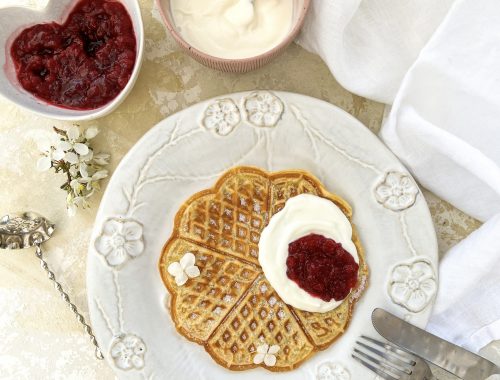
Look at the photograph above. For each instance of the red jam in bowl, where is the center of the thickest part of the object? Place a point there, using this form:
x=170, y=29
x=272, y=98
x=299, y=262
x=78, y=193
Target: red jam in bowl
x=321, y=267
x=82, y=64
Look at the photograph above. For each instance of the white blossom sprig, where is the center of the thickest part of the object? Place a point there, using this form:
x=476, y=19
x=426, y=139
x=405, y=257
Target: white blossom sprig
x=72, y=155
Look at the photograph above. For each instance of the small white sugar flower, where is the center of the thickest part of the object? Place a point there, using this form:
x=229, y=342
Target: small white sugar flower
x=266, y=354
x=184, y=269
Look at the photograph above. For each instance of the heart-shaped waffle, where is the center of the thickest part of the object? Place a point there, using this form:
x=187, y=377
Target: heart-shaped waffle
x=230, y=308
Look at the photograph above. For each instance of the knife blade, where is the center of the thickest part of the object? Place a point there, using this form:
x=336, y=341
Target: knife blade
x=446, y=355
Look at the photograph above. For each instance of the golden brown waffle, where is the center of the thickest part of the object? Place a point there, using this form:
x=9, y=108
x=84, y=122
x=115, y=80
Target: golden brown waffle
x=231, y=308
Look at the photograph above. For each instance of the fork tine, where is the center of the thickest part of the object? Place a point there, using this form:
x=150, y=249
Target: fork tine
x=404, y=355
x=374, y=369
x=381, y=363
x=401, y=364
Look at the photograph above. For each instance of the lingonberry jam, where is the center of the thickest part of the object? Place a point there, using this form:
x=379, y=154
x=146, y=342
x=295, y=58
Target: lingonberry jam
x=81, y=64
x=321, y=267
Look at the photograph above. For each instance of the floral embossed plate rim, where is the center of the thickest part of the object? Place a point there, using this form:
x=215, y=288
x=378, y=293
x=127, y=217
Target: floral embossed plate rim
x=186, y=153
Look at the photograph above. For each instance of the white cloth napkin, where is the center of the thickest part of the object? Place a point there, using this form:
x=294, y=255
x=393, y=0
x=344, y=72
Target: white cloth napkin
x=467, y=307
x=370, y=44
x=438, y=62
x=445, y=121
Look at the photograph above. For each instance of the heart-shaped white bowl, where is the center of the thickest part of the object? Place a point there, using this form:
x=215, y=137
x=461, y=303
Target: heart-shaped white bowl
x=14, y=19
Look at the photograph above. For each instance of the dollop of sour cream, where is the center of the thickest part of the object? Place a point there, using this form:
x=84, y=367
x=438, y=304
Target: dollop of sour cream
x=233, y=29
x=302, y=215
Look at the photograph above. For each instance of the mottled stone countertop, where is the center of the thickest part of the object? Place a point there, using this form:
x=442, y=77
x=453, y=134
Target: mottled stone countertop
x=39, y=337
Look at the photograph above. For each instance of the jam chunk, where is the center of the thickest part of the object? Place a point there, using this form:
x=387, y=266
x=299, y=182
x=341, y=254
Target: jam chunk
x=321, y=267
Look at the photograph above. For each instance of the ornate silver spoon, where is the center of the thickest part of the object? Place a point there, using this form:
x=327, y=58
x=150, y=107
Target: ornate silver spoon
x=26, y=230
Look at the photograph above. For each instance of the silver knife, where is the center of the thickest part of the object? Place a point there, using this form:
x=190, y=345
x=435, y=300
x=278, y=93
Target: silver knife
x=446, y=355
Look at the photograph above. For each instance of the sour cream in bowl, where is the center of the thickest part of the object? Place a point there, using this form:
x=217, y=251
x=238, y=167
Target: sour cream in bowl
x=234, y=35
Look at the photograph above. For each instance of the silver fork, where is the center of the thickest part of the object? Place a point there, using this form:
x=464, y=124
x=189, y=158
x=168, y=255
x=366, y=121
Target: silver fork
x=389, y=361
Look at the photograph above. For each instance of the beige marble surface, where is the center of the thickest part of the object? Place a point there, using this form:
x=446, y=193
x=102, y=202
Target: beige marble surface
x=39, y=338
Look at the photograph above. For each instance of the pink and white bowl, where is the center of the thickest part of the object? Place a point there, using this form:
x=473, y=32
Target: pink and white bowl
x=14, y=19
x=300, y=8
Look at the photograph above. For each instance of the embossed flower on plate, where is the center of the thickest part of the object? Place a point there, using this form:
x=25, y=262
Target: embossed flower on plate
x=128, y=352
x=413, y=285
x=266, y=354
x=332, y=371
x=263, y=109
x=120, y=240
x=221, y=116
x=397, y=191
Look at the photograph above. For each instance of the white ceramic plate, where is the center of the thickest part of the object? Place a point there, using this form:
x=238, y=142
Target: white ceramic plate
x=274, y=131
x=16, y=18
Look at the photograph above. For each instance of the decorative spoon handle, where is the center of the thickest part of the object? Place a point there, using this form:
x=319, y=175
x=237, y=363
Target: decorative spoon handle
x=64, y=295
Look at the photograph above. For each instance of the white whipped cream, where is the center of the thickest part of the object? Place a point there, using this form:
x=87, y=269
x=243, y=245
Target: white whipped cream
x=302, y=215
x=233, y=28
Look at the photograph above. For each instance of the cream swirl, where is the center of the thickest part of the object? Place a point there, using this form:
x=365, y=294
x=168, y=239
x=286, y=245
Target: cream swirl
x=302, y=215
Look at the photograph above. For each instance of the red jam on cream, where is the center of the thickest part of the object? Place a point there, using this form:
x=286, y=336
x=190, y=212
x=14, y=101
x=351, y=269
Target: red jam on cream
x=307, y=254
x=321, y=267
x=82, y=64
